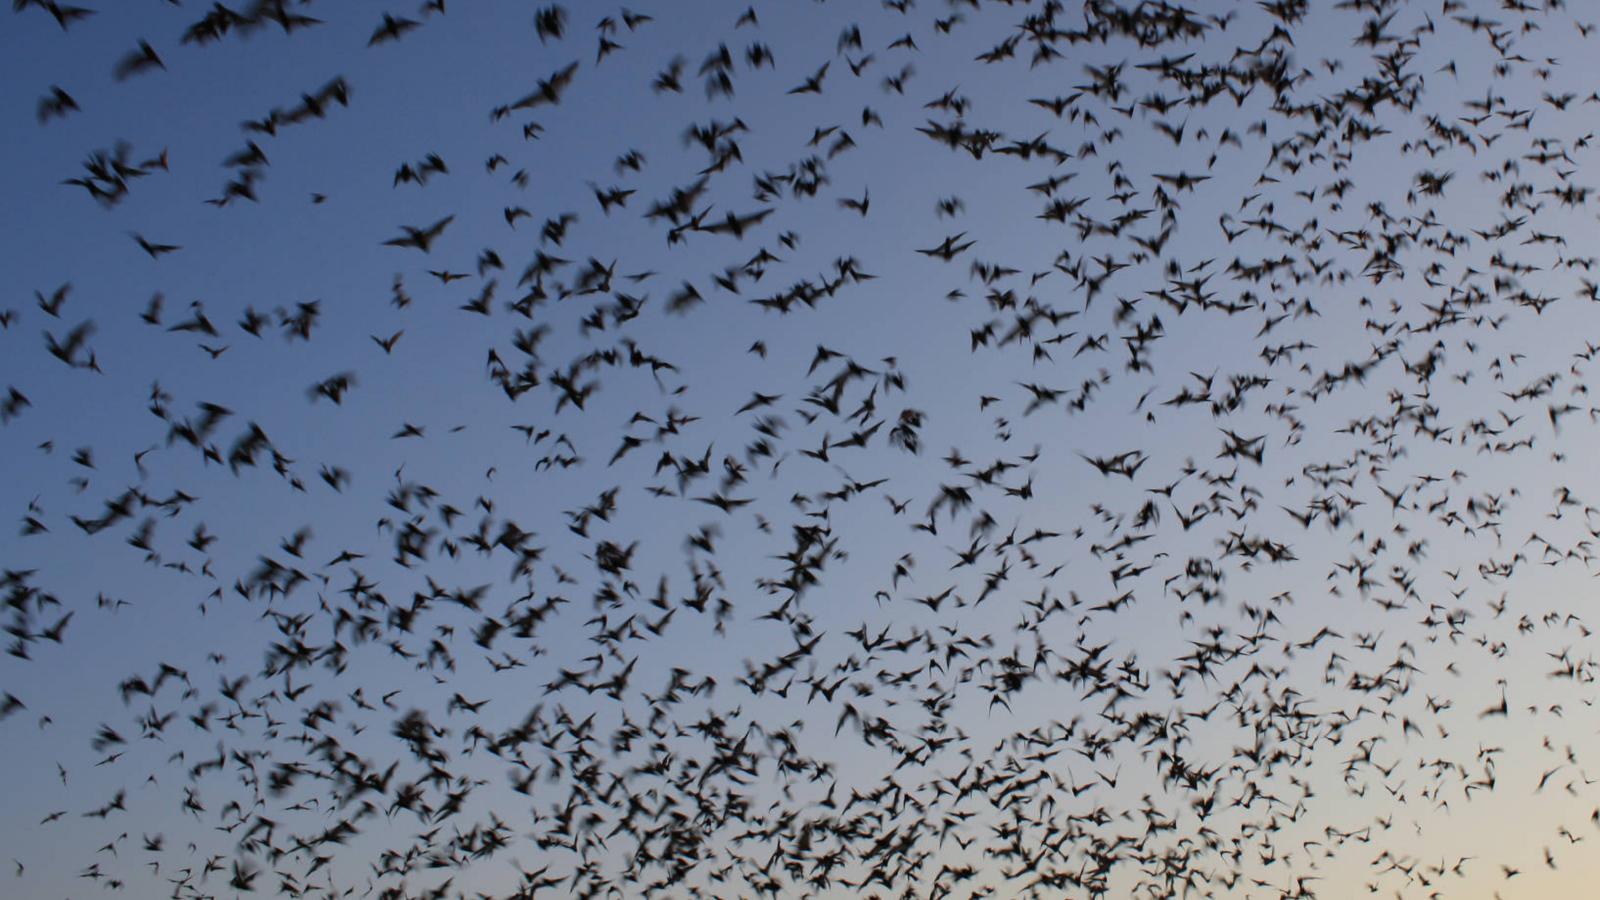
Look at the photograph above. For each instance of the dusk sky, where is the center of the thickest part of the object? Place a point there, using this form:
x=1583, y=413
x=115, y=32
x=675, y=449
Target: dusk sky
x=913, y=449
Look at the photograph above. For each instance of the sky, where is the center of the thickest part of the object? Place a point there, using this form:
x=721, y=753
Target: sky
x=975, y=449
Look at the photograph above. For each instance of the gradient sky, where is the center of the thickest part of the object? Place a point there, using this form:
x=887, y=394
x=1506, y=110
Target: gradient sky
x=1434, y=246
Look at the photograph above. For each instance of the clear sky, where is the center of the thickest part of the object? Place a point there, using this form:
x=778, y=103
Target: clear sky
x=809, y=448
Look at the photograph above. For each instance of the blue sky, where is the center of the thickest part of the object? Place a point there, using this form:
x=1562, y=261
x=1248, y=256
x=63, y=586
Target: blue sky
x=1417, y=243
